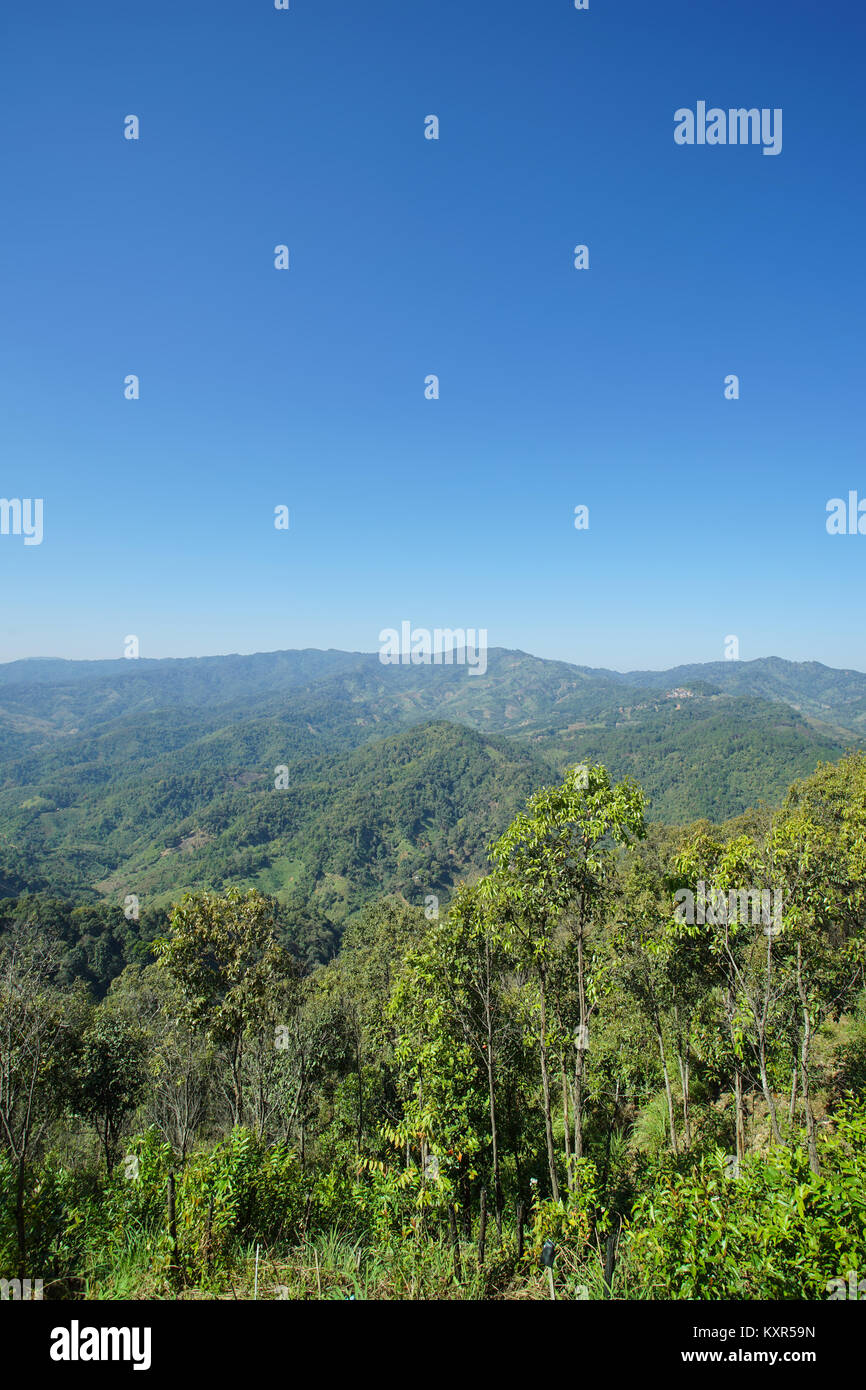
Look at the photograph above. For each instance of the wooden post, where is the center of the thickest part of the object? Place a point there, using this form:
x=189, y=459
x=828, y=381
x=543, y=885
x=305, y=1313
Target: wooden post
x=610, y=1261
x=482, y=1226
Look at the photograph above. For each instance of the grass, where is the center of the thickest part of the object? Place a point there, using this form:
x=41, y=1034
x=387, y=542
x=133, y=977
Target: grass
x=333, y=1266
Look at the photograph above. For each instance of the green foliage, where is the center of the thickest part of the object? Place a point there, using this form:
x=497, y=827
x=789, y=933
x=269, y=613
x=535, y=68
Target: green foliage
x=242, y=1190
x=109, y=1075
x=571, y=1222
x=159, y=779
x=778, y=1231
x=223, y=954
x=555, y=1039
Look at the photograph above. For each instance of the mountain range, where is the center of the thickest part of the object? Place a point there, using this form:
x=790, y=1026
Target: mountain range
x=326, y=777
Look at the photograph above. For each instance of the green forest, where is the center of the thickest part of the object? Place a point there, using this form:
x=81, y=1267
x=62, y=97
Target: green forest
x=569, y=1049
x=325, y=779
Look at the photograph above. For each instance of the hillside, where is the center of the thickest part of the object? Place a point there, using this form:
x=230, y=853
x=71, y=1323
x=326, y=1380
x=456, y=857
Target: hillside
x=832, y=697
x=151, y=777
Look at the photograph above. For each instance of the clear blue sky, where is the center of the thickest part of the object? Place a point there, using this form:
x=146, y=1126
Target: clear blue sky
x=408, y=257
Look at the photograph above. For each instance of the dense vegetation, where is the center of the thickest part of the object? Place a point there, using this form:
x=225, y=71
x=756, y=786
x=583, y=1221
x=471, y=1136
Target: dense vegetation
x=202, y=1097
x=151, y=778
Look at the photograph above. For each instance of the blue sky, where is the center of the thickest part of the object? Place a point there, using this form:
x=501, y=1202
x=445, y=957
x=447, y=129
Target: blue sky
x=409, y=257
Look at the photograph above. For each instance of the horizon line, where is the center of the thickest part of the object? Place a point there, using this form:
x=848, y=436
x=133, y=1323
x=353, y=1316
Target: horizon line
x=342, y=651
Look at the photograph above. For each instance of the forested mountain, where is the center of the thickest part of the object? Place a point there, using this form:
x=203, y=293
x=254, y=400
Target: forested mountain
x=561, y=1069
x=328, y=776
x=832, y=697
x=77, y=694
x=361, y=956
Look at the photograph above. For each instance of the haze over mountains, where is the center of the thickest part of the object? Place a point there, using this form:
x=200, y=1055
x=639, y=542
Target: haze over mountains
x=153, y=776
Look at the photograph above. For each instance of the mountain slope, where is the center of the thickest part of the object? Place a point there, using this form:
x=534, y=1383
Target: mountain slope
x=126, y=777
x=411, y=813
x=831, y=696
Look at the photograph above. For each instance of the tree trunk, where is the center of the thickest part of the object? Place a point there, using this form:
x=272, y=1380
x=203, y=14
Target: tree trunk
x=739, y=1114
x=578, y=1105
x=811, y=1136
x=455, y=1241
x=103, y=1140
x=569, y=1170
x=768, y=1095
x=792, y=1108
x=683, y=1064
x=606, y=1169
x=237, y=1083
x=668, y=1092
x=174, y=1268
x=761, y=1030
x=467, y=1206
x=360, y=1094
x=491, y=1083
x=545, y=1084
x=494, y=1134
x=20, y=1223
x=581, y=1051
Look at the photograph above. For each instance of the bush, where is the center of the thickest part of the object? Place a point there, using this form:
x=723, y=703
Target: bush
x=776, y=1232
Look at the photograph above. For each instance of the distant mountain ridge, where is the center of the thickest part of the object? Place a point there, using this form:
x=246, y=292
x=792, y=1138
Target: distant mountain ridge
x=151, y=776
x=821, y=691
x=207, y=681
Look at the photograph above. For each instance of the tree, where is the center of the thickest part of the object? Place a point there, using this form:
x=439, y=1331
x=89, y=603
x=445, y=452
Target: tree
x=224, y=956
x=556, y=856
x=644, y=968
x=668, y=973
x=819, y=847
x=450, y=1005
x=31, y=1042
x=362, y=980
x=109, y=1075
x=702, y=863
x=180, y=1062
